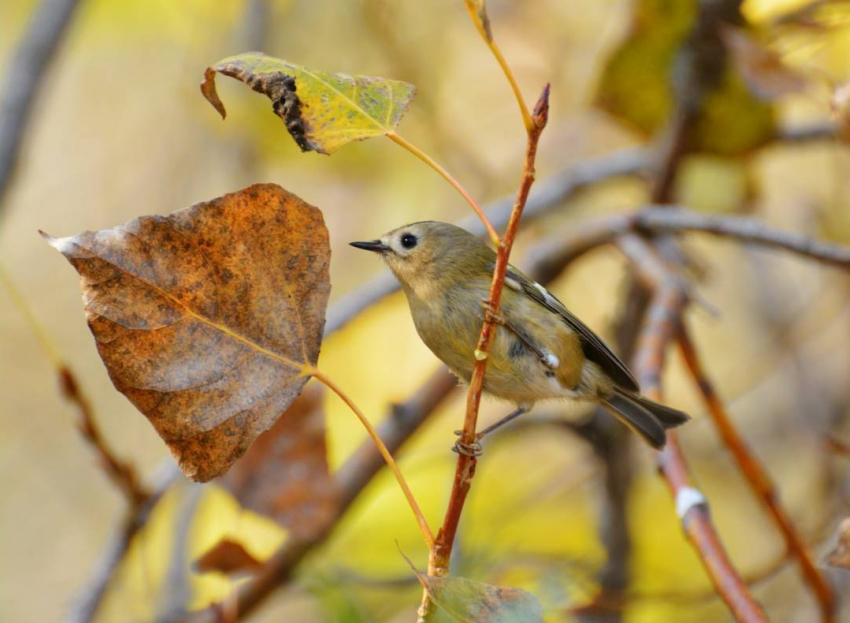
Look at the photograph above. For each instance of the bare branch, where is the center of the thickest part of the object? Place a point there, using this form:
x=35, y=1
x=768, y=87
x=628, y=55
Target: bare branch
x=120, y=472
x=660, y=330
x=815, y=131
x=758, y=478
x=25, y=75
x=744, y=229
x=588, y=235
x=90, y=598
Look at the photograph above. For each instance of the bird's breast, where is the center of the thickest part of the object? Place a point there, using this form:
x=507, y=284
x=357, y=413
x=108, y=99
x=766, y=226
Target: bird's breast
x=449, y=323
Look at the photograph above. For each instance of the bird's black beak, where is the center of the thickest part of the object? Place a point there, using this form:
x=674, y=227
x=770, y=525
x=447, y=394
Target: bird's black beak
x=376, y=246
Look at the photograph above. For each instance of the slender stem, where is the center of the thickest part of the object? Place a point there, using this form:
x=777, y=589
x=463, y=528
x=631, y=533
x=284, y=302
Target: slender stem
x=414, y=506
x=441, y=552
x=38, y=329
x=413, y=149
x=523, y=107
x=478, y=15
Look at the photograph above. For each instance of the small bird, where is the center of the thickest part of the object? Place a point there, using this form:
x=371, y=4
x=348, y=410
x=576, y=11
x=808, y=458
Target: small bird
x=540, y=350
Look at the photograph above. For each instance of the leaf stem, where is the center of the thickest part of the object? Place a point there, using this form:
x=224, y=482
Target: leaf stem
x=38, y=329
x=413, y=149
x=478, y=14
x=388, y=458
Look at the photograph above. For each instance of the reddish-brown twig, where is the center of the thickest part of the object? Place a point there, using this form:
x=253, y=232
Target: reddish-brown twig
x=25, y=75
x=619, y=602
x=660, y=330
x=441, y=552
x=757, y=477
x=120, y=472
x=837, y=445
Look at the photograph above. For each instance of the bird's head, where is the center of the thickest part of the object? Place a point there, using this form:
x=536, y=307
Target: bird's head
x=430, y=254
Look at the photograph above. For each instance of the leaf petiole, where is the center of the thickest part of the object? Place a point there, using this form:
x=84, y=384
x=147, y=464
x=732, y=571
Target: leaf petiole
x=424, y=528
x=478, y=14
x=413, y=149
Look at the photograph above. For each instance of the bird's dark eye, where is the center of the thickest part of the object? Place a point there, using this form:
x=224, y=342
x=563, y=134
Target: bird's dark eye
x=408, y=241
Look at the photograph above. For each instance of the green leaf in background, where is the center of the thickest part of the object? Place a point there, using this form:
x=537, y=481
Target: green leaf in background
x=636, y=84
x=322, y=111
x=458, y=600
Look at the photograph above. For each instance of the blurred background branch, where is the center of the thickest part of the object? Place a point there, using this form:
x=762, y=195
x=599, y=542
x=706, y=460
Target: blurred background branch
x=24, y=79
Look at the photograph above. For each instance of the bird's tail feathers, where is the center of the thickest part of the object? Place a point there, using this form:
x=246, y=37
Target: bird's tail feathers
x=646, y=418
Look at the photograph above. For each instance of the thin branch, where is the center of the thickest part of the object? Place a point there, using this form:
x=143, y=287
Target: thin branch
x=172, y=604
x=122, y=474
x=140, y=500
x=441, y=552
x=413, y=149
x=807, y=133
x=837, y=446
x=744, y=229
x=382, y=448
x=478, y=14
x=590, y=234
x=91, y=597
x=661, y=328
x=758, y=478
x=24, y=78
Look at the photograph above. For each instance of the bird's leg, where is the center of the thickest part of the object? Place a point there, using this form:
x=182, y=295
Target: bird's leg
x=511, y=416
x=483, y=433
x=467, y=449
x=546, y=358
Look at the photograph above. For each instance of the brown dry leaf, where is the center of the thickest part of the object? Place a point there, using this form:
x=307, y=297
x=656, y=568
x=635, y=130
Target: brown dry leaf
x=206, y=317
x=840, y=555
x=285, y=472
x=766, y=75
x=227, y=557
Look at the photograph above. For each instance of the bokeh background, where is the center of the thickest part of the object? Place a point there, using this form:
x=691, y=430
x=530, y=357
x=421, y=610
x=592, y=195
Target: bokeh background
x=120, y=130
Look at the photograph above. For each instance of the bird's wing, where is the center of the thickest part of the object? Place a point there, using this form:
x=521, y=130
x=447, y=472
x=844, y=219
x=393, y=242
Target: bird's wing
x=593, y=347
